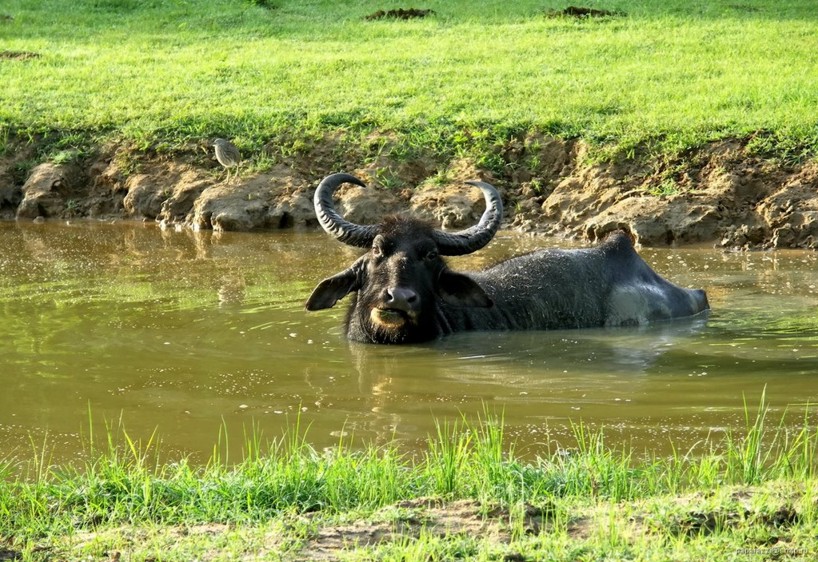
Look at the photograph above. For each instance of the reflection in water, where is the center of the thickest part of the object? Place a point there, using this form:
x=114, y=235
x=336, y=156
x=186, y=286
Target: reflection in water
x=185, y=331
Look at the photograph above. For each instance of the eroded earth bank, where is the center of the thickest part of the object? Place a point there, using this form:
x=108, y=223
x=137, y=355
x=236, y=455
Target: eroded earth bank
x=721, y=194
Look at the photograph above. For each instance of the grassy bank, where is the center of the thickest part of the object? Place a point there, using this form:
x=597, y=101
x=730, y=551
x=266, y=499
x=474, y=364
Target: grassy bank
x=468, y=495
x=275, y=74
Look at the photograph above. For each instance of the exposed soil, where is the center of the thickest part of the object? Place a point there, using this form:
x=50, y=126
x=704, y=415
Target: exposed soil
x=581, y=12
x=684, y=518
x=720, y=194
x=400, y=14
x=412, y=517
x=18, y=55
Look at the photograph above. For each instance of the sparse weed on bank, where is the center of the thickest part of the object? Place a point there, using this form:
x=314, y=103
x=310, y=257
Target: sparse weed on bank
x=592, y=498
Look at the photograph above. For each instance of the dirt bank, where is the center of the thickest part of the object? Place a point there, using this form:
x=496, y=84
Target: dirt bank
x=768, y=520
x=720, y=194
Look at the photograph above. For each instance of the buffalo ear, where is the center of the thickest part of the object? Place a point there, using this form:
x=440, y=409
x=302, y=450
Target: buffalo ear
x=332, y=289
x=461, y=290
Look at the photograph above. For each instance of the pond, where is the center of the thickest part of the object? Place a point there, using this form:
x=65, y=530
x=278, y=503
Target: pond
x=186, y=335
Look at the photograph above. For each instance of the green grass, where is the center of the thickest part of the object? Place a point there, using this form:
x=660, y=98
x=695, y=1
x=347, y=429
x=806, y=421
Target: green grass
x=161, y=73
x=756, y=488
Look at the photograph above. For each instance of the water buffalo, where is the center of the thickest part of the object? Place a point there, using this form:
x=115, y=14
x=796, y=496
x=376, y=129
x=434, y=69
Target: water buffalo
x=403, y=291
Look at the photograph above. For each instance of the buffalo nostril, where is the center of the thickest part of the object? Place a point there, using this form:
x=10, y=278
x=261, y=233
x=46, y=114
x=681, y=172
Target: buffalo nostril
x=401, y=298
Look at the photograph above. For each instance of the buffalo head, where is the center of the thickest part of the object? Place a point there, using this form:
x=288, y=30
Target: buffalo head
x=402, y=281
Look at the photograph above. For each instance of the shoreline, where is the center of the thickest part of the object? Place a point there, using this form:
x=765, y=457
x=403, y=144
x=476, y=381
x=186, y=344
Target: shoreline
x=721, y=194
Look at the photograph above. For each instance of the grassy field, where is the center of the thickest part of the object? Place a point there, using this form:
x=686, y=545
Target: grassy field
x=160, y=73
x=466, y=496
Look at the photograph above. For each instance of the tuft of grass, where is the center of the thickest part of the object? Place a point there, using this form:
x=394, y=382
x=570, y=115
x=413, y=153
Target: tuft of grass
x=752, y=456
x=4, y=138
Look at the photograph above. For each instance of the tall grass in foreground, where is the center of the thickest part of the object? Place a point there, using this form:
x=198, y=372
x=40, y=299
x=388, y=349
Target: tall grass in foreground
x=125, y=482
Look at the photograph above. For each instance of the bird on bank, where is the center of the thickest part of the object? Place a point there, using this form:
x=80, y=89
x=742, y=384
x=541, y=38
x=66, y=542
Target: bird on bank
x=228, y=155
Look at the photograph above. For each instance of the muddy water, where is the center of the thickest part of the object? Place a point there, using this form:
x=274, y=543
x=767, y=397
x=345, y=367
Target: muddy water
x=183, y=333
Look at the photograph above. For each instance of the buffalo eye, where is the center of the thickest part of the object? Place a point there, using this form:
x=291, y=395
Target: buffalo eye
x=431, y=255
x=377, y=247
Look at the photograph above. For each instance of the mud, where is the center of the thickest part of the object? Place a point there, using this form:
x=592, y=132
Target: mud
x=721, y=194
x=581, y=12
x=18, y=55
x=400, y=14
x=685, y=518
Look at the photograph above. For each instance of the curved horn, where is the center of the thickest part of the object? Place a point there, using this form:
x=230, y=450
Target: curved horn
x=345, y=231
x=477, y=236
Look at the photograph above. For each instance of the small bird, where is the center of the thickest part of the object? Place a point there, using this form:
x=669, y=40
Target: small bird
x=228, y=155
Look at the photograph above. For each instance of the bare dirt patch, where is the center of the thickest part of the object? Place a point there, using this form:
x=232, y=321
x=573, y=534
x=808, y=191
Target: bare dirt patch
x=581, y=12
x=744, y=8
x=766, y=515
x=431, y=516
x=400, y=14
x=7, y=554
x=19, y=55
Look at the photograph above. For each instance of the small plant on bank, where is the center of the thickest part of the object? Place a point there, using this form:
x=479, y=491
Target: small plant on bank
x=4, y=139
x=388, y=178
x=666, y=188
x=442, y=177
x=72, y=207
x=65, y=156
